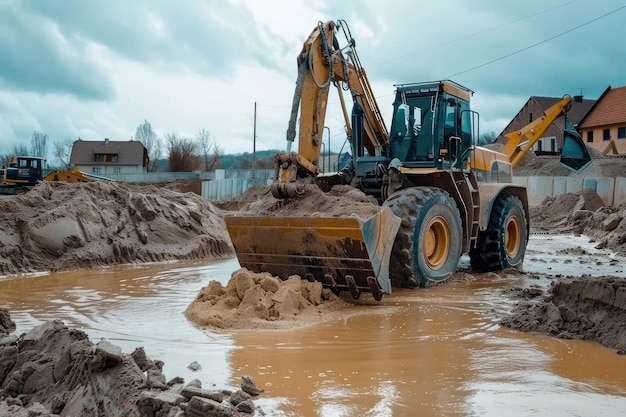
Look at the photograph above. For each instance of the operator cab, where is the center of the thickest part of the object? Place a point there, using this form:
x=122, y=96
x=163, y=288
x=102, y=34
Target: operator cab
x=432, y=125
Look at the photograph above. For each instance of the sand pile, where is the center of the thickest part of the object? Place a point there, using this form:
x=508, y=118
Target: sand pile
x=583, y=308
x=341, y=200
x=582, y=213
x=84, y=225
x=260, y=300
x=53, y=370
x=549, y=165
x=252, y=300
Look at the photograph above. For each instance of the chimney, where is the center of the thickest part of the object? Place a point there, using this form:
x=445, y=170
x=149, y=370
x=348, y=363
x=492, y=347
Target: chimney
x=578, y=99
x=106, y=141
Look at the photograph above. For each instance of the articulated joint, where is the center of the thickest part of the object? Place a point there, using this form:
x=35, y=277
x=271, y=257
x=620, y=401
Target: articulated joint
x=287, y=189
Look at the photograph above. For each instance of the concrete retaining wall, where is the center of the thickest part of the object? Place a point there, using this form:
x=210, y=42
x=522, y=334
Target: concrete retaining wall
x=228, y=184
x=611, y=190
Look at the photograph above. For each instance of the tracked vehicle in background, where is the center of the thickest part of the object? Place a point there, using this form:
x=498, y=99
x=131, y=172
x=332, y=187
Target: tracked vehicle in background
x=441, y=195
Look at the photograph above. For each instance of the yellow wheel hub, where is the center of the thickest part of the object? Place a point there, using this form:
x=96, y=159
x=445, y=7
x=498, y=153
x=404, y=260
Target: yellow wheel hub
x=436, y=244
x=512, y=236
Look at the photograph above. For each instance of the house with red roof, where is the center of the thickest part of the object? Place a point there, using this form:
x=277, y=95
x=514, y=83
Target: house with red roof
x=604, y=126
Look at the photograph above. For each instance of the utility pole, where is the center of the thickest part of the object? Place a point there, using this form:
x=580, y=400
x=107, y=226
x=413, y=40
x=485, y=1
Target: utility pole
x=254, y=140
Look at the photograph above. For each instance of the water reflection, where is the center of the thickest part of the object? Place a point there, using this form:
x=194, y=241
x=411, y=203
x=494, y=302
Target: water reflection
x=432, y=352
x=132, y=306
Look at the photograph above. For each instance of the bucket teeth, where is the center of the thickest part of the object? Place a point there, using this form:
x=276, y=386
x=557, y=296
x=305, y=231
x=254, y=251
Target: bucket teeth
x=343, y=253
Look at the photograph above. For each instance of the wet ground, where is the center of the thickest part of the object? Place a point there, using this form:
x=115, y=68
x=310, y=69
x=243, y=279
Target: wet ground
x=433, y=352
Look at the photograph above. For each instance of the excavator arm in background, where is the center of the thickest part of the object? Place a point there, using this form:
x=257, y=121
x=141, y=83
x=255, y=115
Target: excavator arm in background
x=323, y=64
x=574, y=154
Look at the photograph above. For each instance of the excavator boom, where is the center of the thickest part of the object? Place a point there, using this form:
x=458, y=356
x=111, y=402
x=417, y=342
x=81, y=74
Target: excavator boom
x=574, y=154
x=323, y=64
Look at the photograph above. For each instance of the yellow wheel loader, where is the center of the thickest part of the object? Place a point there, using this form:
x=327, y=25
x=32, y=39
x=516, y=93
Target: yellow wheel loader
x=23, y=172
x=423, y=172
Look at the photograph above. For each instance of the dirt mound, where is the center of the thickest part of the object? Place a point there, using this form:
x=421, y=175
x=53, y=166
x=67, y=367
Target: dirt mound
x=582, y=213
x=549, y=165
x=54, y=370
x=83, y=225
x=582, y=308
x=259, y=300
x=341, y=200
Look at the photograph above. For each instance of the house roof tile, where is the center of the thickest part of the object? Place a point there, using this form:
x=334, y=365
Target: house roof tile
x=129, y=152
x=577, y=111
x=610, y=109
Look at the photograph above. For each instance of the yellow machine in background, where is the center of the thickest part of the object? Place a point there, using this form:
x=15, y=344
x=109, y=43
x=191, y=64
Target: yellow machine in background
x=24, y=172
x=574, y=155
x=424, y=172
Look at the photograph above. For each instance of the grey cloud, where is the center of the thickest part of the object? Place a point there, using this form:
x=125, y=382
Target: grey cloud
x=34, y=58
x=563, y=53
x=207, y=37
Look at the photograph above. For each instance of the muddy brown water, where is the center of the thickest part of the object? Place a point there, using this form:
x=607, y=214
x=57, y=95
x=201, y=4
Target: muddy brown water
x=433, y=352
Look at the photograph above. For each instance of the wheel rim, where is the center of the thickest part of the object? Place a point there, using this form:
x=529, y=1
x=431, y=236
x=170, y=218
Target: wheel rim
x=512, y=235
x=437, y=242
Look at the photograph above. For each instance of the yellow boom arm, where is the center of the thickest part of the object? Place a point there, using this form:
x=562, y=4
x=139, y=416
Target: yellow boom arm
x=322, y=64
x=521, y=141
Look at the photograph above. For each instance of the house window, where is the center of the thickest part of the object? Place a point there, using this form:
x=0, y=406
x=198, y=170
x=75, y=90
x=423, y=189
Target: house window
x=590, y=136
x=117, y=170
x=105, y=157
x=621, y=132
x=547, y=144
x=606, y=134
x=96, y=170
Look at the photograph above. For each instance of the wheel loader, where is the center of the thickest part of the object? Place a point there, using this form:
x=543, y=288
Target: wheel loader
x=441, y=196
x=23, y=172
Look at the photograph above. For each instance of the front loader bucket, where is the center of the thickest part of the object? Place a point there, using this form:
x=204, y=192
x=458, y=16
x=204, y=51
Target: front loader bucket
x=343, y=253
x=574, y=155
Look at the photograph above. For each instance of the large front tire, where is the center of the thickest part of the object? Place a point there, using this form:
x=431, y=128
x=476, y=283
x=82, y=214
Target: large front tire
x=503, y=244
x=428, y=245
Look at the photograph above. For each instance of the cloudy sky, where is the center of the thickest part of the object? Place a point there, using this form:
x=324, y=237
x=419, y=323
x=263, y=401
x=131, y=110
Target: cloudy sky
x=96, y=69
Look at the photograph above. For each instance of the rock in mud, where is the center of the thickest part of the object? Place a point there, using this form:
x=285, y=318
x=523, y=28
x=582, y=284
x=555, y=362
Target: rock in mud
x=53, y=370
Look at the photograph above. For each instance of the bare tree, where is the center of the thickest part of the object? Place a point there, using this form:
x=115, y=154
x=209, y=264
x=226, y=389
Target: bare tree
x=211, y=152
x=5, y=160
x=152, y=143
x=62, y=150
x=182, y=154
x=20, y=150
x=39, y=144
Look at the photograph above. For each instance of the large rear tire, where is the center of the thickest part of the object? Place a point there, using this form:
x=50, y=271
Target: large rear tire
x=428, y=245
x=503, y=244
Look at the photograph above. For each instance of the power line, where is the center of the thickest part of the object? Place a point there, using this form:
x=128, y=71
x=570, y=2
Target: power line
x=480, y=32
x=538, y=43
